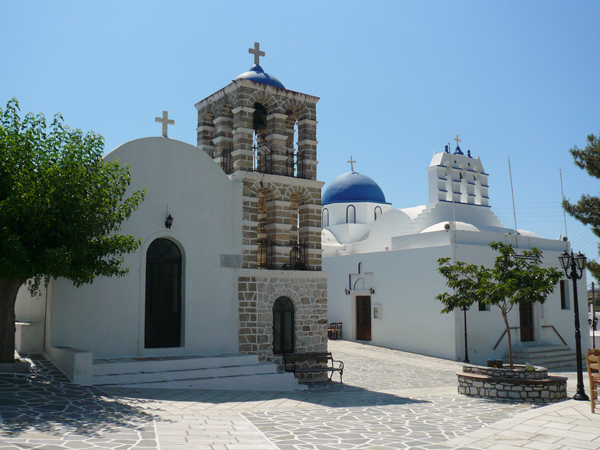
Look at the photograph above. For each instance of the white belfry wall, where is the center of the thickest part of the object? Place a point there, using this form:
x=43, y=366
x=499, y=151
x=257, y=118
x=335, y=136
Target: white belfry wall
x=107, y=317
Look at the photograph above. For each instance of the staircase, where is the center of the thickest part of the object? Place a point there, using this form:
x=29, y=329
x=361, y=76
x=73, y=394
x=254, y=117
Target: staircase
x=548, y=356
x=227, y=371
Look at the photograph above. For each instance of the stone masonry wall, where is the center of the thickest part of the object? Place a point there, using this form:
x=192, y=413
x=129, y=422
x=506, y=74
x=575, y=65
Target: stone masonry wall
x=257, y=292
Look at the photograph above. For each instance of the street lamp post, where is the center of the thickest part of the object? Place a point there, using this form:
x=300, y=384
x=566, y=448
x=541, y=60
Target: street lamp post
x=593, y=321
x=576, y=265
x=464, y=310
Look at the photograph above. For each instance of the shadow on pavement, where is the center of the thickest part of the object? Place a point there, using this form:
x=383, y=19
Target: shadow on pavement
x=330, y=394
x=45, y=400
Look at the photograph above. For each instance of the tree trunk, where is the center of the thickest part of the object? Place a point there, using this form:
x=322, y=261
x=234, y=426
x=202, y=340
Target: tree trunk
x=8, y=297
x=510, y=355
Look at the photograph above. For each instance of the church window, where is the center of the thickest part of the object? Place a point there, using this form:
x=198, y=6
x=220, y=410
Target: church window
x=283, y=326
x=163, y=295
x=377, y=212
x=359, y=268
x=325, y=218
x=350, y=214
x=483, y=306
x=565, y=302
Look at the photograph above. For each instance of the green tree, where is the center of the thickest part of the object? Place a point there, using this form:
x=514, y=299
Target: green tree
x=61, y=207
x=587, y=209
x=513, y=280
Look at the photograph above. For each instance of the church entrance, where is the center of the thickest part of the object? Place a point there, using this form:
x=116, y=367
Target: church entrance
x=163, y=295
x=363, y=318
x=526, y=321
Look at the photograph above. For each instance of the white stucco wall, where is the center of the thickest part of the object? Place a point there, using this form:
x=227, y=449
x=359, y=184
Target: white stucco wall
x=406, y=281
x=107, y=317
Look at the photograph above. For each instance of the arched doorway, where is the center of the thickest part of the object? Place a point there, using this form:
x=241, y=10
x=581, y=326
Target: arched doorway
x=283, y=326
x=163, y=295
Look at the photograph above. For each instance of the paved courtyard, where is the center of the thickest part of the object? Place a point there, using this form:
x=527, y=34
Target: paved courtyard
x=389, y=400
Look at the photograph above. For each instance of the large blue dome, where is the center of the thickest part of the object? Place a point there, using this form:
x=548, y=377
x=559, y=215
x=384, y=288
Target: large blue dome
x=258, y=75
x=352, y=187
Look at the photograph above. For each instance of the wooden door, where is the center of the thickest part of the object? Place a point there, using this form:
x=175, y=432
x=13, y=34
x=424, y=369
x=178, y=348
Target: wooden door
x=163, y=295
x=363, y=318
x=526, y=321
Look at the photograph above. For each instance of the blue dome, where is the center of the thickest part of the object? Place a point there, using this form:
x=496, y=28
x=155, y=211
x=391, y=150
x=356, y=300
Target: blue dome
x=352, y=187
x=258, y=75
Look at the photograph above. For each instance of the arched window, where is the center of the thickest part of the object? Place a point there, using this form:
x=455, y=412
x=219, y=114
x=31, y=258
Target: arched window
x=325, y=218
x=359, y=268
x=350, y=214
x=283, y=326
x=163, y=295
x=378, y=212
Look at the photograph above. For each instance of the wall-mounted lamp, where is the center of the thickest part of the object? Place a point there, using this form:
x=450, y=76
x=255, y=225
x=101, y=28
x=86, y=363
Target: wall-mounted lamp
x=347, y=291
x=169, y=221
x=372, y=291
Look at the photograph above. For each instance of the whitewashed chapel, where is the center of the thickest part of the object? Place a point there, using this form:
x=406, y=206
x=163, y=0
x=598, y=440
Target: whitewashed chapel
x=384, y=279
x=230, y=263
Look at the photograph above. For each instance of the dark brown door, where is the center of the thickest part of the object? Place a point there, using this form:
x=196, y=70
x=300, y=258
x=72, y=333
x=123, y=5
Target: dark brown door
x=363, y=318
x=526, y=319
x=163, y=295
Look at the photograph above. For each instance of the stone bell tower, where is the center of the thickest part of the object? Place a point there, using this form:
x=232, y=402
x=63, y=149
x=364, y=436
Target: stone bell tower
x=264, y=135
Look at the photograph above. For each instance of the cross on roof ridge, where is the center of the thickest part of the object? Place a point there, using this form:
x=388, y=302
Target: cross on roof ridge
x=165, y=122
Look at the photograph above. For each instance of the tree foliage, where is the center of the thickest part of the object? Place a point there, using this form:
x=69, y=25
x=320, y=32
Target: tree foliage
x=513, y=280
x=61, y=208
x=587, y=209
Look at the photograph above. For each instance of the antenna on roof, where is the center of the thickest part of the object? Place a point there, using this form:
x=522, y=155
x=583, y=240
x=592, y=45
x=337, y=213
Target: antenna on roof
x=563, y=198
x=513, y=199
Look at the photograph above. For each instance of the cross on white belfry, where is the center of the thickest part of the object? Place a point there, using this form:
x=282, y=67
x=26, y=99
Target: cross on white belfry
x=256, y=52
x=457, y=140
x=165, y=122
x=351, y=163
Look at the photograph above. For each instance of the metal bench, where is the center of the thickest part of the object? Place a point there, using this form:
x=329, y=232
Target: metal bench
x=292, y=362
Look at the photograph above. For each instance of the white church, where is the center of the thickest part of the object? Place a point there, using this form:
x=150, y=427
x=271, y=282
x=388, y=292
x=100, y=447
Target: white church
x=383, y=268
x=228, y=277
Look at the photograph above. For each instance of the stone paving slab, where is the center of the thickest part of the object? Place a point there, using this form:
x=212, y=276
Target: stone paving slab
x=389, y=400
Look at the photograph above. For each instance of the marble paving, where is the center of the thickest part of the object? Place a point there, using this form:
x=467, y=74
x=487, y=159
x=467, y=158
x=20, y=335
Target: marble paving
x=389, y=400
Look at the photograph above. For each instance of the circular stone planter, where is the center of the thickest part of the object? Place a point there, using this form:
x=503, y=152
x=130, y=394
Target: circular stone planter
x=520, y=384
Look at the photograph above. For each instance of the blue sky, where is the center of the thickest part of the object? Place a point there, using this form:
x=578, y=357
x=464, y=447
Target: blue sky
x=397, y=81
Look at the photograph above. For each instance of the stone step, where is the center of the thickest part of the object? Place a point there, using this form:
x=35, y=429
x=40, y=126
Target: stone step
x=110, y=366
x=535, y=349
x=272, y=382
x=549, y=356
x=224, y=371
x=176, y=374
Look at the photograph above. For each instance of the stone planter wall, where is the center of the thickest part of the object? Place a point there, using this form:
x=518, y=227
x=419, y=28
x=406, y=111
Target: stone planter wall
x=508, y=384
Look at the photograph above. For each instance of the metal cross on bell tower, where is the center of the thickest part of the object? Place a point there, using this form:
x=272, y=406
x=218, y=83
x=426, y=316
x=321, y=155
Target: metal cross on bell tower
x=457, y=140
x=256, y=52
